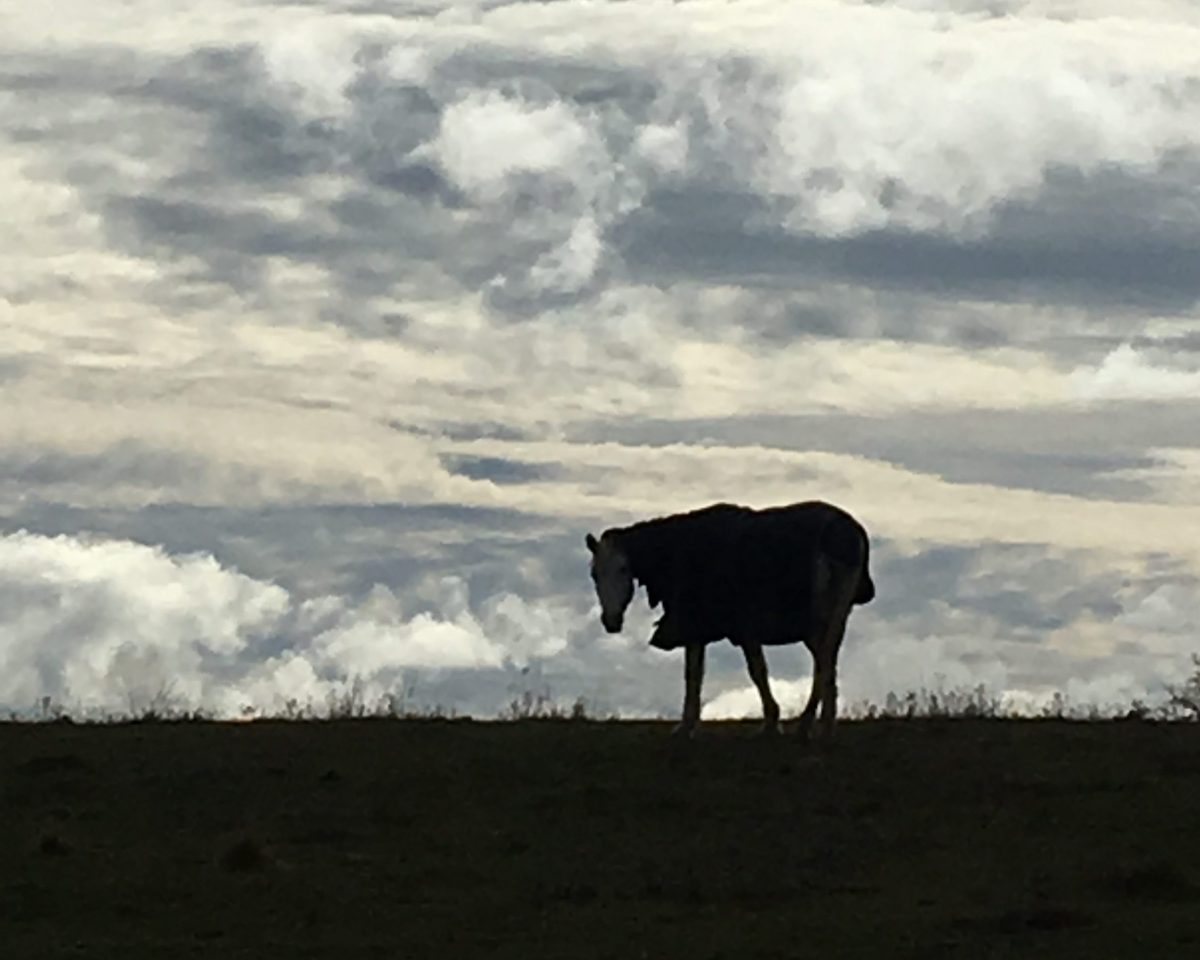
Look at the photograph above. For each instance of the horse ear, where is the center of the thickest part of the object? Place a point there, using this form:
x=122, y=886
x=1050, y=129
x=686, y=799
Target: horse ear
x=591, y=542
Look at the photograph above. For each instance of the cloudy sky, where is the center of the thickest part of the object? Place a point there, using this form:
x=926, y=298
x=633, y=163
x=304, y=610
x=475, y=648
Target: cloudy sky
x=329, y=327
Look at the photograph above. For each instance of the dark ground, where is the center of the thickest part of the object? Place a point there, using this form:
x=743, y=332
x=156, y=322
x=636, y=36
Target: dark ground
x=912, y=839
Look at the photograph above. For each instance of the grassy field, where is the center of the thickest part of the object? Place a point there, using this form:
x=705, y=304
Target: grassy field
x=918, y=838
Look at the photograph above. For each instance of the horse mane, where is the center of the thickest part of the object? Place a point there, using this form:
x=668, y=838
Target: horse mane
x=658, y=549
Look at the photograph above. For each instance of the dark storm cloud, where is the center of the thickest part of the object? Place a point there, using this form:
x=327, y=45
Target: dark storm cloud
x=253, y=137
x=462, y=432
x=127, y=463
x=1103, y=239
x=1025, y=590
x=14, y=366
x=500, y=470
x=330, y=548
x=395, y=224
x=626, y=90
x=1181, y=343
x=99, y=70
x=221, y=134
x=196, y=228
x=1074, y=451
x=1106, y=239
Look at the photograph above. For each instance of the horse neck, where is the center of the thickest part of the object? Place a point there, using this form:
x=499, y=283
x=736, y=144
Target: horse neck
x=648, y=548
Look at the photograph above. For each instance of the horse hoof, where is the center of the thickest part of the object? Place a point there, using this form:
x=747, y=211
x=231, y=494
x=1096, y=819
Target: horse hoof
x=684, y=731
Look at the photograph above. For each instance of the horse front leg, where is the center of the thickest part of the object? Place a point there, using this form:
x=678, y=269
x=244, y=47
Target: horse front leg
x=693, y=677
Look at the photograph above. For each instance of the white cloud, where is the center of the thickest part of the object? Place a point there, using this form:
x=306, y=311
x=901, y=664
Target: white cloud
x=921, y=117
x=663, y=146
x=1171, y=610
x=572, y=264
x=499, y=148
x=112, y=625
x=315, y=62
x=891, y=118
x=376, y=638
x=1126, y=374
x=98, y=621
x=1174, y=476
x=487, y=139
x=528, y=630
x=743, y=702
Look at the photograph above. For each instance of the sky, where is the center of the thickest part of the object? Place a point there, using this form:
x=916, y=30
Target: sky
x=330, y=327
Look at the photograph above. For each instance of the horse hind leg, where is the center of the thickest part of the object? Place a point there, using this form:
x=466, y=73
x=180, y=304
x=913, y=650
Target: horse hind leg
x=805, y=722
x=814, y=634
x=756, y=665
x=845, y=587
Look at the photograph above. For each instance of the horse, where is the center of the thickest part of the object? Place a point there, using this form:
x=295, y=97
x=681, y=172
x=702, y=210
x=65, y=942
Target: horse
x=780, y=575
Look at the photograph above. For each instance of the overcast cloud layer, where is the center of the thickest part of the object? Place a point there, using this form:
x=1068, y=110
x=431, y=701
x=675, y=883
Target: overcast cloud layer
x=329, y=328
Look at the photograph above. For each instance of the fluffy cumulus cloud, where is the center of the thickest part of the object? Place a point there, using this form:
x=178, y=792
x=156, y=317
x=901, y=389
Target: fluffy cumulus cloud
x=88, y=620
x=1126, y=373
x=328, y=328
x=96, y=624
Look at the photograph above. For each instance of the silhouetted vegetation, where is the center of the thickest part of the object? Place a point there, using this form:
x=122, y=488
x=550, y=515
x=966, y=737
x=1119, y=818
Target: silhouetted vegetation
x=1185, y=699
x=1182, y=703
